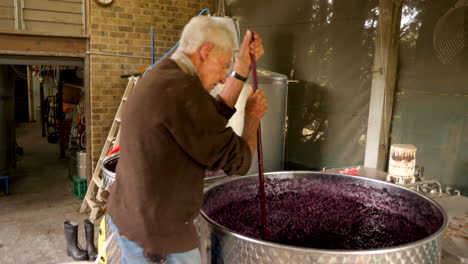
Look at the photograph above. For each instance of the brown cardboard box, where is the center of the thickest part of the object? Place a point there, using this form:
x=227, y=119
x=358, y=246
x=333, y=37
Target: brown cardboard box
x=71, y=93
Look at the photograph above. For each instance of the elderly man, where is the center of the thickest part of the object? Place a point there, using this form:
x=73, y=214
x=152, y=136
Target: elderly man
x=172, y=131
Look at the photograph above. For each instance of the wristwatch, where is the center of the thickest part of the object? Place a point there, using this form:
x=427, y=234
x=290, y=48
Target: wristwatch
x=238, y=76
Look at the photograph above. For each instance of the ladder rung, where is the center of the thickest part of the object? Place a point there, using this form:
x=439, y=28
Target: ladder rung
x=124, y=99
x=98, y=182
x=118, y=119
x=110, y=139
x=92, y=204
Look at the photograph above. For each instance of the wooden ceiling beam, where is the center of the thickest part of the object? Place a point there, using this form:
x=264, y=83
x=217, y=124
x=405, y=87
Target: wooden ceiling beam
x=45, y=45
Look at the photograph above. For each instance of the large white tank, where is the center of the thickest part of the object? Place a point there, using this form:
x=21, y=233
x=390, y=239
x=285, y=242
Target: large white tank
x=273, y=124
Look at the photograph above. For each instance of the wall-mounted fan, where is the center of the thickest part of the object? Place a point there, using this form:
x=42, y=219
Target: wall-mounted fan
x=450, y=36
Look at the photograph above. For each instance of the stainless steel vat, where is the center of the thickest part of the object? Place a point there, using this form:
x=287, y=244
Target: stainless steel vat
x=228, y=247
x=273, y=123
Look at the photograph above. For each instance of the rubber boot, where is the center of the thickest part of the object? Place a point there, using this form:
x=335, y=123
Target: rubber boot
x=90, y=248
x=71, y=234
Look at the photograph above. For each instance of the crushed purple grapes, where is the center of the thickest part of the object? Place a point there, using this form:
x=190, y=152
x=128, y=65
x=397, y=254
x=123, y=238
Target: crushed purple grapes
x=323, y=214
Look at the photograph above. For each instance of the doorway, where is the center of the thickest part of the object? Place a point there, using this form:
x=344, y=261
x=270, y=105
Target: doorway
x=42, y=127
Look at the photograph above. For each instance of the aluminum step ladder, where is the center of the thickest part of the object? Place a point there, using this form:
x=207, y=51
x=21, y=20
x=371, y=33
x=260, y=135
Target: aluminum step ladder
x=94, y=199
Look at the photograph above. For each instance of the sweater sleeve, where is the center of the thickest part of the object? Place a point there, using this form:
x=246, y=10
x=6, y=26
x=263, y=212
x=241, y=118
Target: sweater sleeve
x=223, y=109
x=198, y=125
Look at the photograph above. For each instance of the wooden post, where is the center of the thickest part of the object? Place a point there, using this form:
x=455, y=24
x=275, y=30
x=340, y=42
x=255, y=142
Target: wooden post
x=87, y=78
x=43, y=115
x=383, y=83
x=30, y=95
x=61, y=116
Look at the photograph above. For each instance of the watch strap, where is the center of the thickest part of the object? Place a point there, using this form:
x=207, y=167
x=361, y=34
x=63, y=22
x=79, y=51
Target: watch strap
x=238, y=76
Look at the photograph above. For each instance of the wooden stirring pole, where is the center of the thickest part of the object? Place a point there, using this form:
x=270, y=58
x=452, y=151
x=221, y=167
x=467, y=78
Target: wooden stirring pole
x=261, y=177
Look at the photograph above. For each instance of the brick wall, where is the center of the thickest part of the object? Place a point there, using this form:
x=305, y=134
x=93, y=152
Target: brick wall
x=124, y=28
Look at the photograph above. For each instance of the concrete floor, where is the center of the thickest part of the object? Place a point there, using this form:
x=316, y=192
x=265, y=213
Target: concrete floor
x=41, y=199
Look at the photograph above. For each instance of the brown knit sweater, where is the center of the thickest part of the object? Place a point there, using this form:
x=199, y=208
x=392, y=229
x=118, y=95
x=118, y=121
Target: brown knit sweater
x=172, y=131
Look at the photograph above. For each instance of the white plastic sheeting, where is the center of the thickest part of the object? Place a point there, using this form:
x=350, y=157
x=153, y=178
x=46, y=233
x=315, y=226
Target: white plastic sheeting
x=328, y=46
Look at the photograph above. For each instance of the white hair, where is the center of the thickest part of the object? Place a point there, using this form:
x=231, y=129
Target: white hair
x=203, y=29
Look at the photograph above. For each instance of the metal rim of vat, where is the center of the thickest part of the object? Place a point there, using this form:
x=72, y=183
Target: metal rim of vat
x=418, y=243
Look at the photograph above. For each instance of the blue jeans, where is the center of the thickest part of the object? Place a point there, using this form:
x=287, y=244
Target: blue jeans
x=133, y=254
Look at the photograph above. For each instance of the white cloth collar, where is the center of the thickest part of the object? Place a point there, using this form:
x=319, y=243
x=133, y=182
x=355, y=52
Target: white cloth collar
x=184, y=63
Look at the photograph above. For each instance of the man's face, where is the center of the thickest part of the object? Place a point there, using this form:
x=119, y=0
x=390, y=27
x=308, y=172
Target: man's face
x=214, y=68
